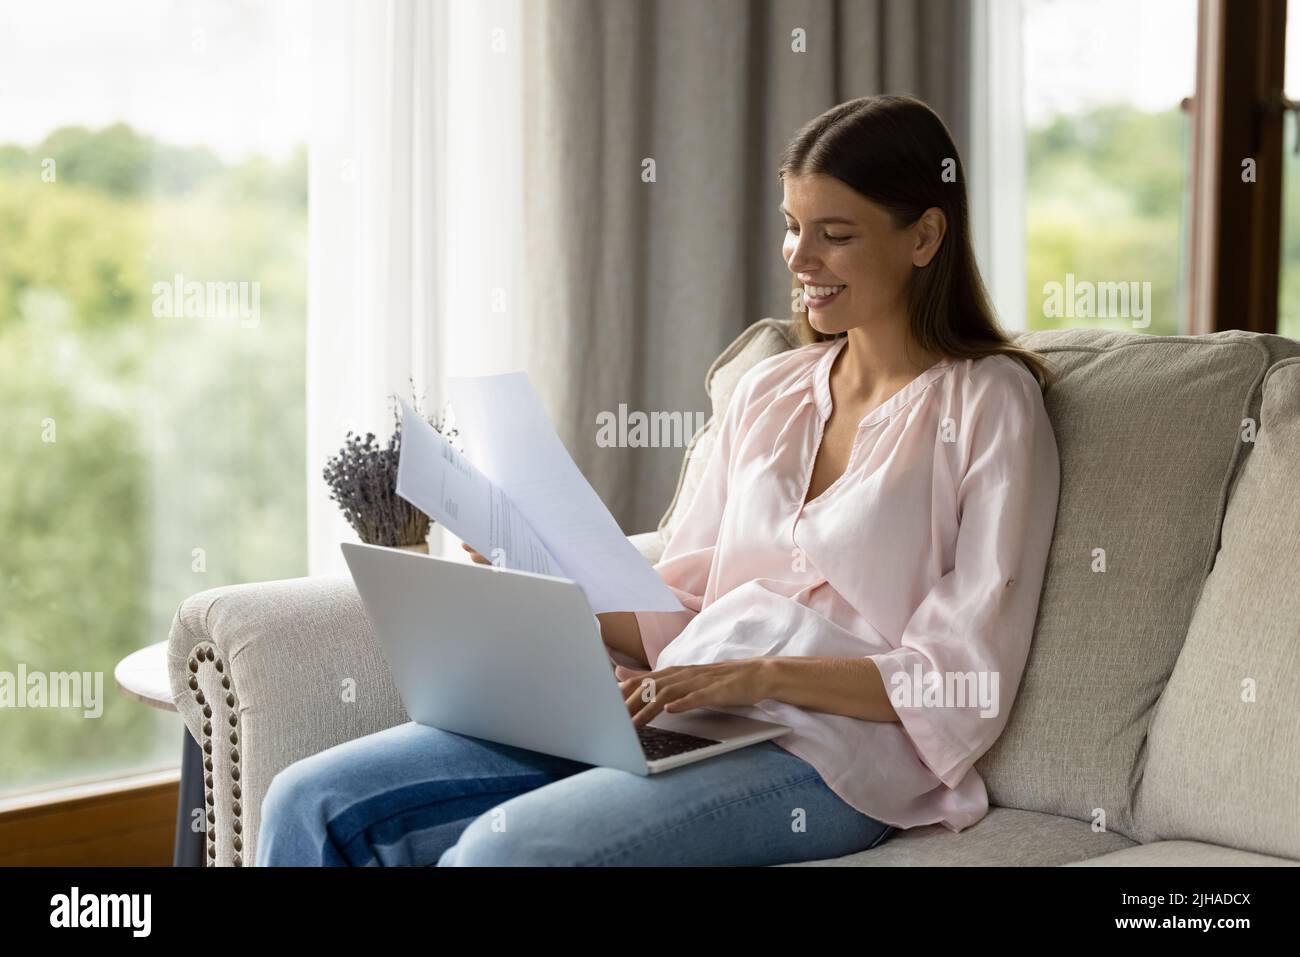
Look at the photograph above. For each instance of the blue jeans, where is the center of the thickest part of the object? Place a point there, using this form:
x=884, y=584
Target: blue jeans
x=413, y=795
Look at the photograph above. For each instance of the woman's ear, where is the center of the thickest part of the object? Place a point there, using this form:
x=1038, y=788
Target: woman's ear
x=930, y=230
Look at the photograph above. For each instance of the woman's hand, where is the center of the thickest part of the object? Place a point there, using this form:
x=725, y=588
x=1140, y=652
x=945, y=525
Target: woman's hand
x=723, y=683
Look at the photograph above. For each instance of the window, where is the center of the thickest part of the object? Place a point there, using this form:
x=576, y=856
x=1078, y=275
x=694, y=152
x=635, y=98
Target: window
x=1106, y=161
x=153, y=194
x=1130, y=163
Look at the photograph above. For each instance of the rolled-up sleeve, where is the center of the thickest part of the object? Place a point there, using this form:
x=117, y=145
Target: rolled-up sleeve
x=687, y=560
x=972, y=631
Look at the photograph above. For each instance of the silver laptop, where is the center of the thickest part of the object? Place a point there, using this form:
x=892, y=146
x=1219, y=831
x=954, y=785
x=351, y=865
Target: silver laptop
x=518, y=659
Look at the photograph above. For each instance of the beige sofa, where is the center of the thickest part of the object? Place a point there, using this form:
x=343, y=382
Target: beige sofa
x=1158, y=721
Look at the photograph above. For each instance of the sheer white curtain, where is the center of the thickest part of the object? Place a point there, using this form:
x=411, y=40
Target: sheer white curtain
x=414, y=218
x=995, y=161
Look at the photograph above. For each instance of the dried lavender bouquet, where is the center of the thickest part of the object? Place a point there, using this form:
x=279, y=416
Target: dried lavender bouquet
x=362, y=478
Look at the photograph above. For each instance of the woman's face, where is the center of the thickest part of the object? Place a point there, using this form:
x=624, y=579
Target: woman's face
x=839, y=242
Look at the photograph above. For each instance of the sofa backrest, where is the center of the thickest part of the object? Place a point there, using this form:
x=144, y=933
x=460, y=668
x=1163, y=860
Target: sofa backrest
x=1149, y=430
x=1150, y=433
x=1223, y=753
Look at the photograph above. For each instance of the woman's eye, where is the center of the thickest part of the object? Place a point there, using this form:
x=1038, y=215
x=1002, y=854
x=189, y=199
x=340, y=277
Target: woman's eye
x=835, y=239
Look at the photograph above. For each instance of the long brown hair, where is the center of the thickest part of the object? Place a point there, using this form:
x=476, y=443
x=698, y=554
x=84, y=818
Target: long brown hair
x=896, y=152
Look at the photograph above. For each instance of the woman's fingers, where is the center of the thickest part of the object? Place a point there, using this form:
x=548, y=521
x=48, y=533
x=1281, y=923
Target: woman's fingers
x=639, y=696
x=648, y=698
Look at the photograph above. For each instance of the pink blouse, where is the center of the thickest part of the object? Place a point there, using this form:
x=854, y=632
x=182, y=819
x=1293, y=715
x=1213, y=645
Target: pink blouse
x=927, y=555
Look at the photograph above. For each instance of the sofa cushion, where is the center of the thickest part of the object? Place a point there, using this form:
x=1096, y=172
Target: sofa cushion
x=1223, y=756
x=1183, y=854
x=767, y=337
x=1003, y=837
x=1148, y=432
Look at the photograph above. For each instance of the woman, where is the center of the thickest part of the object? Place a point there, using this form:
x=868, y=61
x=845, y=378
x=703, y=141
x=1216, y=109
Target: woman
x=861, y=562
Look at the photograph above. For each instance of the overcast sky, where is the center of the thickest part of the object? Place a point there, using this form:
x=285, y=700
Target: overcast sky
x=1081, y=53
x=235, y=74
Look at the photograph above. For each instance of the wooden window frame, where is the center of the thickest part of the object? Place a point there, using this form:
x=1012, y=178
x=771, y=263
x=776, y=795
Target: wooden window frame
x=128, y=821
x=1237, y=114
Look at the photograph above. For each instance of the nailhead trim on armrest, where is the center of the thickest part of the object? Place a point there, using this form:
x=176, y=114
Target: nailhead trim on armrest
x=207, y=652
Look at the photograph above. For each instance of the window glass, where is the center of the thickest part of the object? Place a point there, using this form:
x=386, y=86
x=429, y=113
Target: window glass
x=153, y=204
x=1288, y=312
x=1106, y=169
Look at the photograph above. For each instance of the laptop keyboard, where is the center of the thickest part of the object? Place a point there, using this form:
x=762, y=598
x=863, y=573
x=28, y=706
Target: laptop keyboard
x=658, y=743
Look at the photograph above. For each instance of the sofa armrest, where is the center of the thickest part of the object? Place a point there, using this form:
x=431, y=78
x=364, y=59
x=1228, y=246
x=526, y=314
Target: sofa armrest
x=267, y=674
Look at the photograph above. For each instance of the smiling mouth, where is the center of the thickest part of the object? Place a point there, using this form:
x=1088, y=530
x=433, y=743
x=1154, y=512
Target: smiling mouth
x=818, y=297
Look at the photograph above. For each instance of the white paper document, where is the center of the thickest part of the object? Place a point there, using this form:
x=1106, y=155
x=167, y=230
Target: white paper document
x=523, y=494
x=442, y=483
